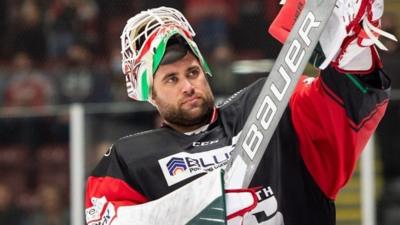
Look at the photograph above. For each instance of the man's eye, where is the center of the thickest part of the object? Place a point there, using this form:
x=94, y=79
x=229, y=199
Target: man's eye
x=172, y=80
x=194, y=73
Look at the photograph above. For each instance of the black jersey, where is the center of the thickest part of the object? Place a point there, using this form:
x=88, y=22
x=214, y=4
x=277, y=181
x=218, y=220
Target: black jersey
x=311, y=155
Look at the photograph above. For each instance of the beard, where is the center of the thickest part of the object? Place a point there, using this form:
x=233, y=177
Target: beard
x=184, y=117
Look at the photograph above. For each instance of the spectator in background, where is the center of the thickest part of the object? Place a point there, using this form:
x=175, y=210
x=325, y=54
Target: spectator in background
x=68, y=21
x=52, y=209
x=88, y=11
x=212, y=21
x=61, y=19
x=29, y=34
x=3, y=26
x=27, y=86
x=249, y=45
x=81, y=80
x=10, y=214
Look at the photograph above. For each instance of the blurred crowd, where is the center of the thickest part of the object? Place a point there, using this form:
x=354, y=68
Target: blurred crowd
x=63, y=51
x=57, y=52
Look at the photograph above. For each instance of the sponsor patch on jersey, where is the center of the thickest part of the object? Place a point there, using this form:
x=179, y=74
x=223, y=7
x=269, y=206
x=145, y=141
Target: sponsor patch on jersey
x=176, y=165
x=183, y=165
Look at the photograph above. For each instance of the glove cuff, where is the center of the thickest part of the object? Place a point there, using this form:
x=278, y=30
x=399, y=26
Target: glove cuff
x=355, y=59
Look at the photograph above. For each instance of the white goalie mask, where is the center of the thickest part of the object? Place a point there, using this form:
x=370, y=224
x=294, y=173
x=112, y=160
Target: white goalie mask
x=143, y=43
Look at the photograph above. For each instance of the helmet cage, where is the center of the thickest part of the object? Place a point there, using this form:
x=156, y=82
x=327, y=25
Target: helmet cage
x=144, y=41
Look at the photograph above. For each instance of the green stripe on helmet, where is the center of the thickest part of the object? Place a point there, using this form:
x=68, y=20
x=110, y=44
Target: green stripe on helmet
x=159, y=54
x=145, y=86
x=160, y=51
x=196, y=51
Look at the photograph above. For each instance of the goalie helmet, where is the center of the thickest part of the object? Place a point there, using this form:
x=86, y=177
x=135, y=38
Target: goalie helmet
x=144, y=42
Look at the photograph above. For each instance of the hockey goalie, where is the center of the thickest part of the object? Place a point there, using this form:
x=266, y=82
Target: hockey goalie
x=175, y=174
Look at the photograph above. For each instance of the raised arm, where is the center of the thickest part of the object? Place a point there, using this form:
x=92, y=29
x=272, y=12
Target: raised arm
x=336, y=113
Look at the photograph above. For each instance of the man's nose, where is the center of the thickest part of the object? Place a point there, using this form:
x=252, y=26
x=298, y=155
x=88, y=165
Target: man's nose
x=188, y=87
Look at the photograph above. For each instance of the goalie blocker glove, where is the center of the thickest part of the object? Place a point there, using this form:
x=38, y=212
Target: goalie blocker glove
x=350, y=37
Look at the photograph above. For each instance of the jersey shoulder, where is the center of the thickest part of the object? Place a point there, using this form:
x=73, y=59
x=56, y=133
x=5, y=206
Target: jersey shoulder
x=243, y=97
x=235, y=109
x=144, y=144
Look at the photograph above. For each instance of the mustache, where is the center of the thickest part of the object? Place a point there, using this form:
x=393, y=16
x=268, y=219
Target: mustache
x=191, y=97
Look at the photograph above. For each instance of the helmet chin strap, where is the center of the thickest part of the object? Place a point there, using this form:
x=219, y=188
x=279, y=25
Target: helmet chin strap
x=151, y=101
x=198, y=130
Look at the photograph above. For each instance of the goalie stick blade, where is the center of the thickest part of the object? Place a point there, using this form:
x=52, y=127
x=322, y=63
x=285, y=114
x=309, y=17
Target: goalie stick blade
x=276, y=92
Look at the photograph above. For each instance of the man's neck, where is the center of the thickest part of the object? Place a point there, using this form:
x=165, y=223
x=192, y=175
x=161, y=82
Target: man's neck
x=188, y=129
x=197, y=128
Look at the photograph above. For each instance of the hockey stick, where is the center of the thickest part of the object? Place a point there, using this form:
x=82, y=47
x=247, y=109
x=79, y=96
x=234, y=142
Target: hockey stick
x=275, y=94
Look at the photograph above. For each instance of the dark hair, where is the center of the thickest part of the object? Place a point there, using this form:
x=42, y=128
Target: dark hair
x=176, y=49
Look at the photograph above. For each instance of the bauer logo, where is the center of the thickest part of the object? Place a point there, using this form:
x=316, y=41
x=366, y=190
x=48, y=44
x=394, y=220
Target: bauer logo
x=183, y=165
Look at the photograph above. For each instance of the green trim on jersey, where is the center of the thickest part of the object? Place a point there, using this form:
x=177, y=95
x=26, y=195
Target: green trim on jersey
x=357, y=83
